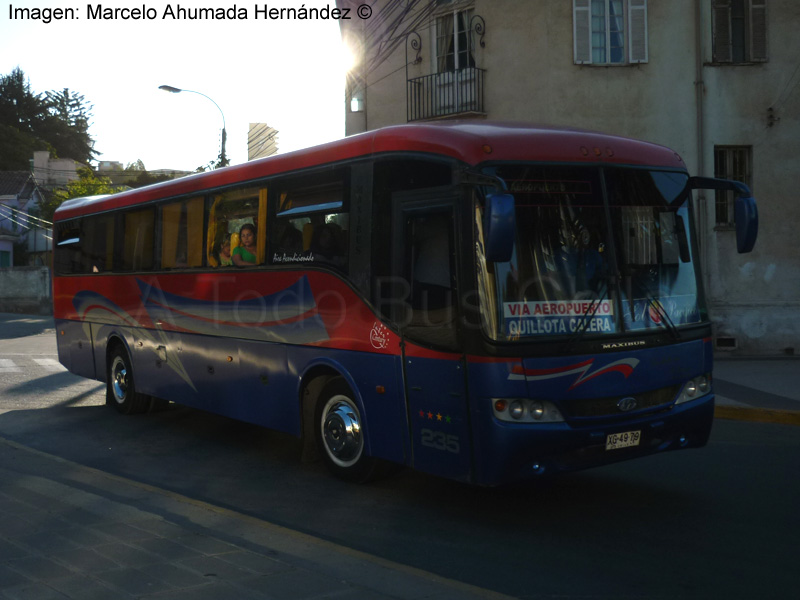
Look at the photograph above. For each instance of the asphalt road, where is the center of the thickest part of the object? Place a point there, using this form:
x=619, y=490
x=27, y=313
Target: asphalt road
x=718, y=522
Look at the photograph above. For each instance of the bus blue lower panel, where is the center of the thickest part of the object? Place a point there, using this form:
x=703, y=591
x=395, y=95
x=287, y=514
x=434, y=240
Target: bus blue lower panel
x=74, y=342
x=255, y=382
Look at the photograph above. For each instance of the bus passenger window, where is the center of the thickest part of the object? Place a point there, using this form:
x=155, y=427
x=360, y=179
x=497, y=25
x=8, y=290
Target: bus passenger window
x=93, y=245
x=316, y=239
x=237, y=228
x=137, y=251
x=313, y=225
x=67, y=257
x=182, y=234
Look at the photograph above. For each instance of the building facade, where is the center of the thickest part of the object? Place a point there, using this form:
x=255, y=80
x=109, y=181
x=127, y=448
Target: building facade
x=51, y=173
x=20, y=225
x=718, y=81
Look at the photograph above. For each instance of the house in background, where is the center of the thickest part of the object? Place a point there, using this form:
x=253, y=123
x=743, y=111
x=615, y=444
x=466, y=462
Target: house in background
x=20, y=198
x=718, y=81
x=51, y=173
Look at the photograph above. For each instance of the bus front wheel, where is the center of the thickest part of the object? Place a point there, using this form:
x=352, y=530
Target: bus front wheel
x=340, y=433
x=120, y=388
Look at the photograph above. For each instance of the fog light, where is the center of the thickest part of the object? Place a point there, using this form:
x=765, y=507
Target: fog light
x=516, y=409
x=525, y=410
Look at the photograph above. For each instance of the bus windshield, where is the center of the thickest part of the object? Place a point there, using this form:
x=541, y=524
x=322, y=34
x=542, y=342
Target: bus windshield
x=598, y=252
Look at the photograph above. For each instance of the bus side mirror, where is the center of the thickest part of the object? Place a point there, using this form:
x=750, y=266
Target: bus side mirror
x=499, y=225
x=745, y=211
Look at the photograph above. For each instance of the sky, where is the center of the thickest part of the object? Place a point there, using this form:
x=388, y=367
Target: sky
x=288, y=73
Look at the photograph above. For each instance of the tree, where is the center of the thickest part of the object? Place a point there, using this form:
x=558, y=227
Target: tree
x=68, y=129
x=56, y=121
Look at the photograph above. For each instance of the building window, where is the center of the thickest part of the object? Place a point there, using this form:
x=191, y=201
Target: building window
x=454, y=43
x=610, y=32
x=739, y=31
x=731, y=162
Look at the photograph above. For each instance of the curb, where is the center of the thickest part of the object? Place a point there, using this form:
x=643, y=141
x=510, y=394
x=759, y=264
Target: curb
x=758, y=415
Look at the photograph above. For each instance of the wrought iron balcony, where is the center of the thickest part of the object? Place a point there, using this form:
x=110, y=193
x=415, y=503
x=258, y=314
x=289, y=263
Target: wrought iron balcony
x=446, y=94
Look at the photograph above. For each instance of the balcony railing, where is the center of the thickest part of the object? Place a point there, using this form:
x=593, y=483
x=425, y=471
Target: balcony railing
x=445, y=94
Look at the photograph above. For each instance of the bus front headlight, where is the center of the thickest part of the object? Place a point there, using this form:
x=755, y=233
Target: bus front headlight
x=695, y=388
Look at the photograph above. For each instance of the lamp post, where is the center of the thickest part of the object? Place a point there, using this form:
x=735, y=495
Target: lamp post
x=223, y=160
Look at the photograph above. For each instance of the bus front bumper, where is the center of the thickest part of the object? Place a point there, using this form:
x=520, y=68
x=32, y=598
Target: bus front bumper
x=511, y=452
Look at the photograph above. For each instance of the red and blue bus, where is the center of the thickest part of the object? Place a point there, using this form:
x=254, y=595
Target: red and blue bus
x=488, y=302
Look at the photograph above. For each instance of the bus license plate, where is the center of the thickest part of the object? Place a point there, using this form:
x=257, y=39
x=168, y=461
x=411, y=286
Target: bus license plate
x=623, y=440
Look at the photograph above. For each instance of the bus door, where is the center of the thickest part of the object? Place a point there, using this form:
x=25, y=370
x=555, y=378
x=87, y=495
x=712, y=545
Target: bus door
x=425, y=304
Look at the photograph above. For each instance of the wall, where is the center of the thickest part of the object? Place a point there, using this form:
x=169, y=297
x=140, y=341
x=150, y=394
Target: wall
x=755, y=298
x=26, y=290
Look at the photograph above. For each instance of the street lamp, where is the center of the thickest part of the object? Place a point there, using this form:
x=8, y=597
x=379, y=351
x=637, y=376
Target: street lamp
x=223, y=160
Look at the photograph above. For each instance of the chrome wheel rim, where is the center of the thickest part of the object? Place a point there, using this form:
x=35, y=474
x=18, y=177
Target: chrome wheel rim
x=341, y=431
x=119, y=379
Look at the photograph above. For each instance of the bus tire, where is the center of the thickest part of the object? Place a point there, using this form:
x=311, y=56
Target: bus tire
x=340, y=433
x=120, y=387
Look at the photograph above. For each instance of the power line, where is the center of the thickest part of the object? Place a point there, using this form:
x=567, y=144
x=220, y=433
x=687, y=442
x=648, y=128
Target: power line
x=26, y=214
x=26, y=225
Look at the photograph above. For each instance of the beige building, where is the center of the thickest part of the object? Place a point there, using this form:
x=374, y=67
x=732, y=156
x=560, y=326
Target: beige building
x=54, y=172
x=262, y=141
x=716, y=80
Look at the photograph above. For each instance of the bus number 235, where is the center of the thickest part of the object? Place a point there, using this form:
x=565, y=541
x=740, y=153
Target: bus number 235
x=440, y=441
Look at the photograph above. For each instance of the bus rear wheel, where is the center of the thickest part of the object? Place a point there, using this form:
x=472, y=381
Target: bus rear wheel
x=340, y=433
x=120, y=387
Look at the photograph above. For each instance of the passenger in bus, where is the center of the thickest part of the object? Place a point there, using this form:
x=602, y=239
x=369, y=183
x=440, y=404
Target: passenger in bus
x=291, y=240
x=225, y=259
x=244, y=255
x=325, y=246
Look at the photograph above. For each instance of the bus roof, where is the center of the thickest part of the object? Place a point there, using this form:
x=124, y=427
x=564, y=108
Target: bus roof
x=471, y=142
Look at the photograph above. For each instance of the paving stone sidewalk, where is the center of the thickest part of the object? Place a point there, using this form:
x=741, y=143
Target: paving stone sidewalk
x=69, y=531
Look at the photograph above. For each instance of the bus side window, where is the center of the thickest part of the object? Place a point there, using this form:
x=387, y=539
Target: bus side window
x=312, y=224
x=182, y=234
x=98, y=244
x=67, y=256
x=137, y=247
x=231, y=211
x=429, y=271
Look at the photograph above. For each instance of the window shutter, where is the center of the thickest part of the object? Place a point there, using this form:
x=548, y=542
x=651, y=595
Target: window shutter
x=722, y=45
x=637, y=23
x=582, y=31
x=758, y=30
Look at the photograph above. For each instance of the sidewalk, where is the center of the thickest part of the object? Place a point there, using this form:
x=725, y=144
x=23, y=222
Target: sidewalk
x=755, y=389
x=69, y=531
